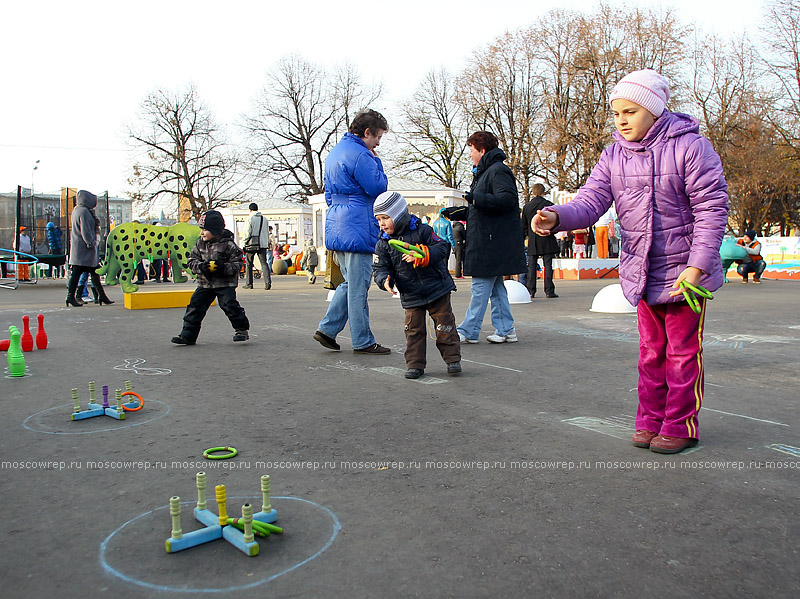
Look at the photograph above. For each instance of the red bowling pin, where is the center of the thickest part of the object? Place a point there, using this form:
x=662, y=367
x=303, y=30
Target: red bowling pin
x=4, y=344
x=41, y=335
x=27, y=338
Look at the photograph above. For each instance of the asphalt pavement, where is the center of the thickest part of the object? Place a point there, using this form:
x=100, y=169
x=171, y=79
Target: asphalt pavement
x=517, y=478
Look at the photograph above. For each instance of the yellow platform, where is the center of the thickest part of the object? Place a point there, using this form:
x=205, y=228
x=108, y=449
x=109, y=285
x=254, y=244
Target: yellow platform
x=158, y=298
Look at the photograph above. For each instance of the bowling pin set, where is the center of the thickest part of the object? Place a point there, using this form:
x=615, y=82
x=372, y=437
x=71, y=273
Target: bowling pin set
x=22, y=342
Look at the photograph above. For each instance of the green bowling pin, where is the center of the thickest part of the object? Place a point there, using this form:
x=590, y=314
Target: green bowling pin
x=15, y=357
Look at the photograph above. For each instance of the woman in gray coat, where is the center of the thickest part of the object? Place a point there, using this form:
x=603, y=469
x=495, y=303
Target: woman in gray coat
x=83, y=248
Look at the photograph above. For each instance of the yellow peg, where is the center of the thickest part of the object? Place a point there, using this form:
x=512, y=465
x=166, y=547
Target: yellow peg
x=221, y=500
x=175, y=512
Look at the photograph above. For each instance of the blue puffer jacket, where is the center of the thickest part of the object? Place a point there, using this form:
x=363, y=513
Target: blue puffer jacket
x=354, y=177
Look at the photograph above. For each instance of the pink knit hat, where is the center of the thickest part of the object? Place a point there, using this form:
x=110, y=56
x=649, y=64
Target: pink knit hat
x=646, y=87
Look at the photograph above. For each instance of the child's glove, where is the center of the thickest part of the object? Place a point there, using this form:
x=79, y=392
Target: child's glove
x=209, y=267
x=422, y=262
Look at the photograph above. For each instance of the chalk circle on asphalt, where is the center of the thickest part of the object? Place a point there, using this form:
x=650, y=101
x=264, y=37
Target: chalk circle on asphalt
x=135, y=553
x=56, y=421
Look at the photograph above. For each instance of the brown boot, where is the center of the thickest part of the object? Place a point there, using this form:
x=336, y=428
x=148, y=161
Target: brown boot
x=664, y=444
x=642, y=438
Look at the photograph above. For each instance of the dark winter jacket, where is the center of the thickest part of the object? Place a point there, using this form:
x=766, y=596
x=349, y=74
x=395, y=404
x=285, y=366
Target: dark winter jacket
x=538, y=245
x=417, y=286
x=671, y=197
x=54, y=244
x=354, y=177
x=83, y=235
x=224, y=251
x=494, y=234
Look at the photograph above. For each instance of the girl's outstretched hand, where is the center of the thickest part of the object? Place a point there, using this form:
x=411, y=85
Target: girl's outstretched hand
x=691, y=274
x=543, y=221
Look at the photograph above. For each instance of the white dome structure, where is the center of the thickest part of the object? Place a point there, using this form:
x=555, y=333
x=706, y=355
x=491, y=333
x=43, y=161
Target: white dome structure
x=517, y=292
x=610, y=299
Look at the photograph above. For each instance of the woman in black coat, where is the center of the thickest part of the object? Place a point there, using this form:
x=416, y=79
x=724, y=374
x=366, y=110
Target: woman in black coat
x=494, y=245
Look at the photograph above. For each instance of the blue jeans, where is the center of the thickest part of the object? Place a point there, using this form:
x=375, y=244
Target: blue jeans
x=349, y=301
x=755, y=267
x=483, y=290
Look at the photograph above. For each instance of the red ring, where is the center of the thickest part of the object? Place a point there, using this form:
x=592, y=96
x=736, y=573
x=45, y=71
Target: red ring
x=141, y=402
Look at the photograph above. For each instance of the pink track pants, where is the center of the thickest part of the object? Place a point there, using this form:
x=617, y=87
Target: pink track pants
x=670, y=368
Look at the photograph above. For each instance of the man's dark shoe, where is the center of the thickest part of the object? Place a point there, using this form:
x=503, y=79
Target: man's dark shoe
x=241, y=335
x=454, y=368
x=414, y=373
x=552, y=295
x=247, y=286
x=664, y=444
x=375, y=349
x=643, y=437
x=182, y=340
x=326, y=341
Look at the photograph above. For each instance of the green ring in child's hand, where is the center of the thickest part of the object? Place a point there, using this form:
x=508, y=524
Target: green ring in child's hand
x=407, y=248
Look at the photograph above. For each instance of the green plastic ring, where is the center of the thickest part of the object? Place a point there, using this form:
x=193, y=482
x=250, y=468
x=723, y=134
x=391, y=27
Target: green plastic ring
x=232, y=451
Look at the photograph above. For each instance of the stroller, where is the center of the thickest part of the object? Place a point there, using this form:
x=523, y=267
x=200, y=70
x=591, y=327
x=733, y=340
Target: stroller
x=243, y=271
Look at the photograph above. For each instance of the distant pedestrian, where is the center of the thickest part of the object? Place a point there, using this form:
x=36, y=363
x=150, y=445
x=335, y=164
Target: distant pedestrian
x=539, y=246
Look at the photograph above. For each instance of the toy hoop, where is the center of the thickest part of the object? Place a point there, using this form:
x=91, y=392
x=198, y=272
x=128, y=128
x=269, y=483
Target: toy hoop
x=690, y=292
x=141, y=402
x=232, y=451
x=407, y=248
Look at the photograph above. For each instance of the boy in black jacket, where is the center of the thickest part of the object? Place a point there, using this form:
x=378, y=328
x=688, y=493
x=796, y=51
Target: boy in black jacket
x=424, y=285
x=216, y=261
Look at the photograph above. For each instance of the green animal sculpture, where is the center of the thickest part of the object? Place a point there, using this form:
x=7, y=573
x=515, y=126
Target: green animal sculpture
x=730, y=251
x=128, y=243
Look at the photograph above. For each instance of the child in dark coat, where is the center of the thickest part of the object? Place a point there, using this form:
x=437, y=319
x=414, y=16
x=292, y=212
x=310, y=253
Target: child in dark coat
x=216, y=261
x=423, y=285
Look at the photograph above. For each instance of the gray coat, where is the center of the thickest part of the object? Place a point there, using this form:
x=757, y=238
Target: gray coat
x=83, y=235
x=257, y=220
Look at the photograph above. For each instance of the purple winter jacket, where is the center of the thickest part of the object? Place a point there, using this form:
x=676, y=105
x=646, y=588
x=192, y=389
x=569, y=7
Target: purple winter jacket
x=671, y=197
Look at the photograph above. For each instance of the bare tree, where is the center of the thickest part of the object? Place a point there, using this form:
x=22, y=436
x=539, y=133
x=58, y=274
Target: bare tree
x=498, y=91
x=544, y=89
x=433, y=132
x=781, y=38
x=184, y=155
x=298, y=117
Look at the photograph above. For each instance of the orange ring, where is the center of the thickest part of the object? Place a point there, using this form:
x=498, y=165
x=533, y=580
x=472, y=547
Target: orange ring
x=141, y=402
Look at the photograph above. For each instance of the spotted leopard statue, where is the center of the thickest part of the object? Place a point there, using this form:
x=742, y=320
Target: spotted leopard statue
x=128, y=243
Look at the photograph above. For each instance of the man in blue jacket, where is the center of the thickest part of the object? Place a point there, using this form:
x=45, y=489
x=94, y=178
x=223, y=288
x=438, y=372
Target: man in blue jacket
x=354, y=177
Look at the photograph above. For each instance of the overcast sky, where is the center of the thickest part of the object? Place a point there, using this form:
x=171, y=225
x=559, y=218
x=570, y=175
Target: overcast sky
x=74, y=73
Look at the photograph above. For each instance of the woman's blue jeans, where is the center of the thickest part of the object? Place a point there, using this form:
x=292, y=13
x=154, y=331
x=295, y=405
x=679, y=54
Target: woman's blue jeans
x=485, y=289
x=349, y=301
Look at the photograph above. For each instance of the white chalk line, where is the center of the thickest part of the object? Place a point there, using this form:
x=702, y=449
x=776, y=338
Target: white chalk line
x=743, y=416
x=491, y=365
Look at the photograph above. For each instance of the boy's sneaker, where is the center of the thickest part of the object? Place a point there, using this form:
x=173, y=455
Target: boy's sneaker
x=246, y=286
x=463, y=339
x=182, y=340
x=510, y=338
x=375, y=349
x=414, y=373
x=326, y=341
x=454, y=368
x=241, y=336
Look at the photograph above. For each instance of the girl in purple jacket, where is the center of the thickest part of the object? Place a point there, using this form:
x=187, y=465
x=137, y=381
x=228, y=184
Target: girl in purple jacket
x=667, y=185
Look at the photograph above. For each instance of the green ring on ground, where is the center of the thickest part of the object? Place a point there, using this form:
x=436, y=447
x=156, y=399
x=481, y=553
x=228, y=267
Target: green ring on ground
x=232, y=451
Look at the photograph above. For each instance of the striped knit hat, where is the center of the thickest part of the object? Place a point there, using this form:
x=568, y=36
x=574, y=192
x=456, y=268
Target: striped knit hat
x=646, y=87
x=390, y=203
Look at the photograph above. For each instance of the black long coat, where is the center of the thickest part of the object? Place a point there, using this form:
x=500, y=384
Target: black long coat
x=538, y=245
x=494, y=234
